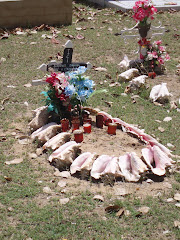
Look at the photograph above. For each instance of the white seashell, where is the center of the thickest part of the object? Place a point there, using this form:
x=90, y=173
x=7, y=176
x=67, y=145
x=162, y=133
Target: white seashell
x=129, y=74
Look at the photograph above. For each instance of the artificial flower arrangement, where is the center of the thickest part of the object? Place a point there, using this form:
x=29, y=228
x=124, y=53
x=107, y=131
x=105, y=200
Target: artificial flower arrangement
x=154, y=56
x=67, y=92
x=143, y=12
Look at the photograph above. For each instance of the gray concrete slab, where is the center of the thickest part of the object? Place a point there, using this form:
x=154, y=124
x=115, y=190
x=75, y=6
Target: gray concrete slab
x=126, y=5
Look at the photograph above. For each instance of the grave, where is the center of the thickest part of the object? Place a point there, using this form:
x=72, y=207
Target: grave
x=25, y=13
x=126, y=5
x=66, y=66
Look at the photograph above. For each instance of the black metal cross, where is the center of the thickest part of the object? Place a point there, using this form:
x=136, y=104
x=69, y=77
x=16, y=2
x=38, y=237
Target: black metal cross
x=67, y=64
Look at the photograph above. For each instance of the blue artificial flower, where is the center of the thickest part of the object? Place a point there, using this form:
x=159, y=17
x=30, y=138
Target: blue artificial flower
x=70, y=90
x=88, y=83
x=81, y=70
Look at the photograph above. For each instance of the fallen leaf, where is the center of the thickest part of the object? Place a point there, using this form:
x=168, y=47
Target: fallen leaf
x=33, y=43
x=167, y=119
x=143, y=210
x=4, y=100
x=158, y=121
x=79, y=28
x=32, y=155
x=64, y=200
x=161, y=129
x=112, y=208
x=28, y=85
x=20, y=33
x=127, y=213
x=173, y=105
x=99, y=197
x=11, y=86
x=5, y=35
x=15, y=161
x=54, y=41
x=177, y=196
x=157, y=104
x=10, y=209
x=69, y=36
x=80, y=37
x=47, y=190
x=120, y=212
x=109, y=103
x=170, y=145
x=62, y=184
x=170, y=200
x=2, y=59
x=100, y=69
x=9, y=179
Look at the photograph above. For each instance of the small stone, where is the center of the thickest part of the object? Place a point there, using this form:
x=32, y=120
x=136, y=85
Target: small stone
x=57, y=172
x=47, y=190
x=62, y=184
x=177, y=204
x=177, y=196
x=64, y=201
x=104, y=218
x=39, y=151
x=65, y=174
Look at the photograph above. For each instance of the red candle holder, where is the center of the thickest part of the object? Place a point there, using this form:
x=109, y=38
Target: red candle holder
x=87, y=128
x=78, y=136
x=99, y=121
x=112, y=128
x=64, y=124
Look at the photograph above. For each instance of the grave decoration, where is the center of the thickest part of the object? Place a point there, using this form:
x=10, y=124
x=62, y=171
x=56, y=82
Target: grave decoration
x=67, y=91
x=152, y=55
